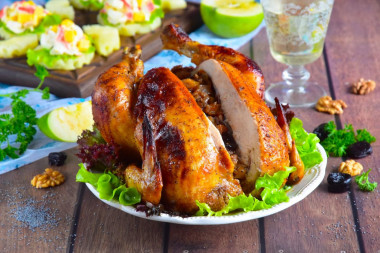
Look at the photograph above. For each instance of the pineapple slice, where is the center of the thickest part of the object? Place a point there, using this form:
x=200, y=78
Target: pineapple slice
x=106, y=39
x=169, y=5
x=61, y=8
x=4, y=34
x=17, y=46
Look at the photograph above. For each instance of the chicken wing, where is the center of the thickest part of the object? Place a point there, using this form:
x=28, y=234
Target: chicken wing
x=190, y=153
x=295, y=159
x=174, y=38
x=113, y=100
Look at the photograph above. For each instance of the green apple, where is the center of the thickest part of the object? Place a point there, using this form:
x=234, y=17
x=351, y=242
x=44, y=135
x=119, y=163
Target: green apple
x=67, y=123
x=231, y=18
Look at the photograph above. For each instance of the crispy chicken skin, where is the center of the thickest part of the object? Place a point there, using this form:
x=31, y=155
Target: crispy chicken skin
x=261, y=141
x=113, y=100
x=174, y=38
x=185, y=148
x=295, y=159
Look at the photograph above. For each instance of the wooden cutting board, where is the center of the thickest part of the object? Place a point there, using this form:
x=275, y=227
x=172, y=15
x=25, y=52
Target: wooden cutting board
x=80, y=82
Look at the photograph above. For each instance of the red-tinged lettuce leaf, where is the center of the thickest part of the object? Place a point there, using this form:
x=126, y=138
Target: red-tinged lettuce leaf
x=95, y=152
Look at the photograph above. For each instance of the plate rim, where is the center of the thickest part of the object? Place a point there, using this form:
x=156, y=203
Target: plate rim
x=318, y=171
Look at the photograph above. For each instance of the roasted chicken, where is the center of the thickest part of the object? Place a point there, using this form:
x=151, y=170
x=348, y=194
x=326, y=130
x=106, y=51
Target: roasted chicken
x=113, y=100
x=180, y=147
x=174, y=38
x=186, y=154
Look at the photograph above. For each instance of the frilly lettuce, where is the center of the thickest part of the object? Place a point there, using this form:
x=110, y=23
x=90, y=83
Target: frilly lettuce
x=49, y=20
x=272, y=193
x=109, y=186
x=43, y=57
x=92, y=4
x=306, y=144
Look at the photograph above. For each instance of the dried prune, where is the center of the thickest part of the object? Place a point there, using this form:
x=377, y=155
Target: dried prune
x=321, y=132
x=359, y=149
x=339, y=182
x=57, y=158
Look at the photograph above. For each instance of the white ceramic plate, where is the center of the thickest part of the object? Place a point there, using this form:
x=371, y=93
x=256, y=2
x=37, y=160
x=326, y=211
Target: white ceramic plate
x=313, y=177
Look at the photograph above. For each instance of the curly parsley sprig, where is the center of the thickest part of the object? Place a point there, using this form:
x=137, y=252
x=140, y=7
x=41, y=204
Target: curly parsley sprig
x=22, y=121
x=338, y=141
x=364, y=183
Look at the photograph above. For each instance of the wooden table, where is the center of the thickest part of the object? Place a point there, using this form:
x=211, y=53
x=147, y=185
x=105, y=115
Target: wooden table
x=323, y=222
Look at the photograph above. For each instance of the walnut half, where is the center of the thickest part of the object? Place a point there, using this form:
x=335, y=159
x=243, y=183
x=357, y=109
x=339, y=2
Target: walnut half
x=327, y=104
x=351, y=167
x=363, y=87
x=49, y=178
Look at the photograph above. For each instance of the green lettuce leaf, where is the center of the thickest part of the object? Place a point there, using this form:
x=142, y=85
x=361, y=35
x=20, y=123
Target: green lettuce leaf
x=42, y=56
x=273, y=193
x=95, y=4
x=129, y=196
x=49, y=20
x=106, y=185
x=156, y=13
x=85, y=176
x=306, y=144
x=109, y=186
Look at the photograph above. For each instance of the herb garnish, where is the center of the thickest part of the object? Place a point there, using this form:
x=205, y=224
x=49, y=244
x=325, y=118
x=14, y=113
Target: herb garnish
x=363, y=182
x=22, y=121
x=338, y=141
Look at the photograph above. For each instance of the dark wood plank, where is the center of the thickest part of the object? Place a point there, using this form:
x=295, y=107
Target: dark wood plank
x=353, y=52
x=79, y=83
x=323, y=221
x=102, y=228
x=240, y=237
x=37, y=220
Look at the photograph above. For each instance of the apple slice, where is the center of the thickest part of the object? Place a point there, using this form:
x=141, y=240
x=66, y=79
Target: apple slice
x=67, y=123
x=231, y=18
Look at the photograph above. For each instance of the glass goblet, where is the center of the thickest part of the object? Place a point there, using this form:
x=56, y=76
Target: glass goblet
x=296, y=31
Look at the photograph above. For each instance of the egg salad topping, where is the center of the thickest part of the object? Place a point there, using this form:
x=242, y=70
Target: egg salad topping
x=123, y=11
x=66, y=38
x=22, y=16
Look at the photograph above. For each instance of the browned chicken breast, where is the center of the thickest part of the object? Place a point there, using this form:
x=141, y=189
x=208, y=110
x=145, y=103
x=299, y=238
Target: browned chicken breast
x=174, y=38
x=181, y=148
x=261, y=142
x=113, y=100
